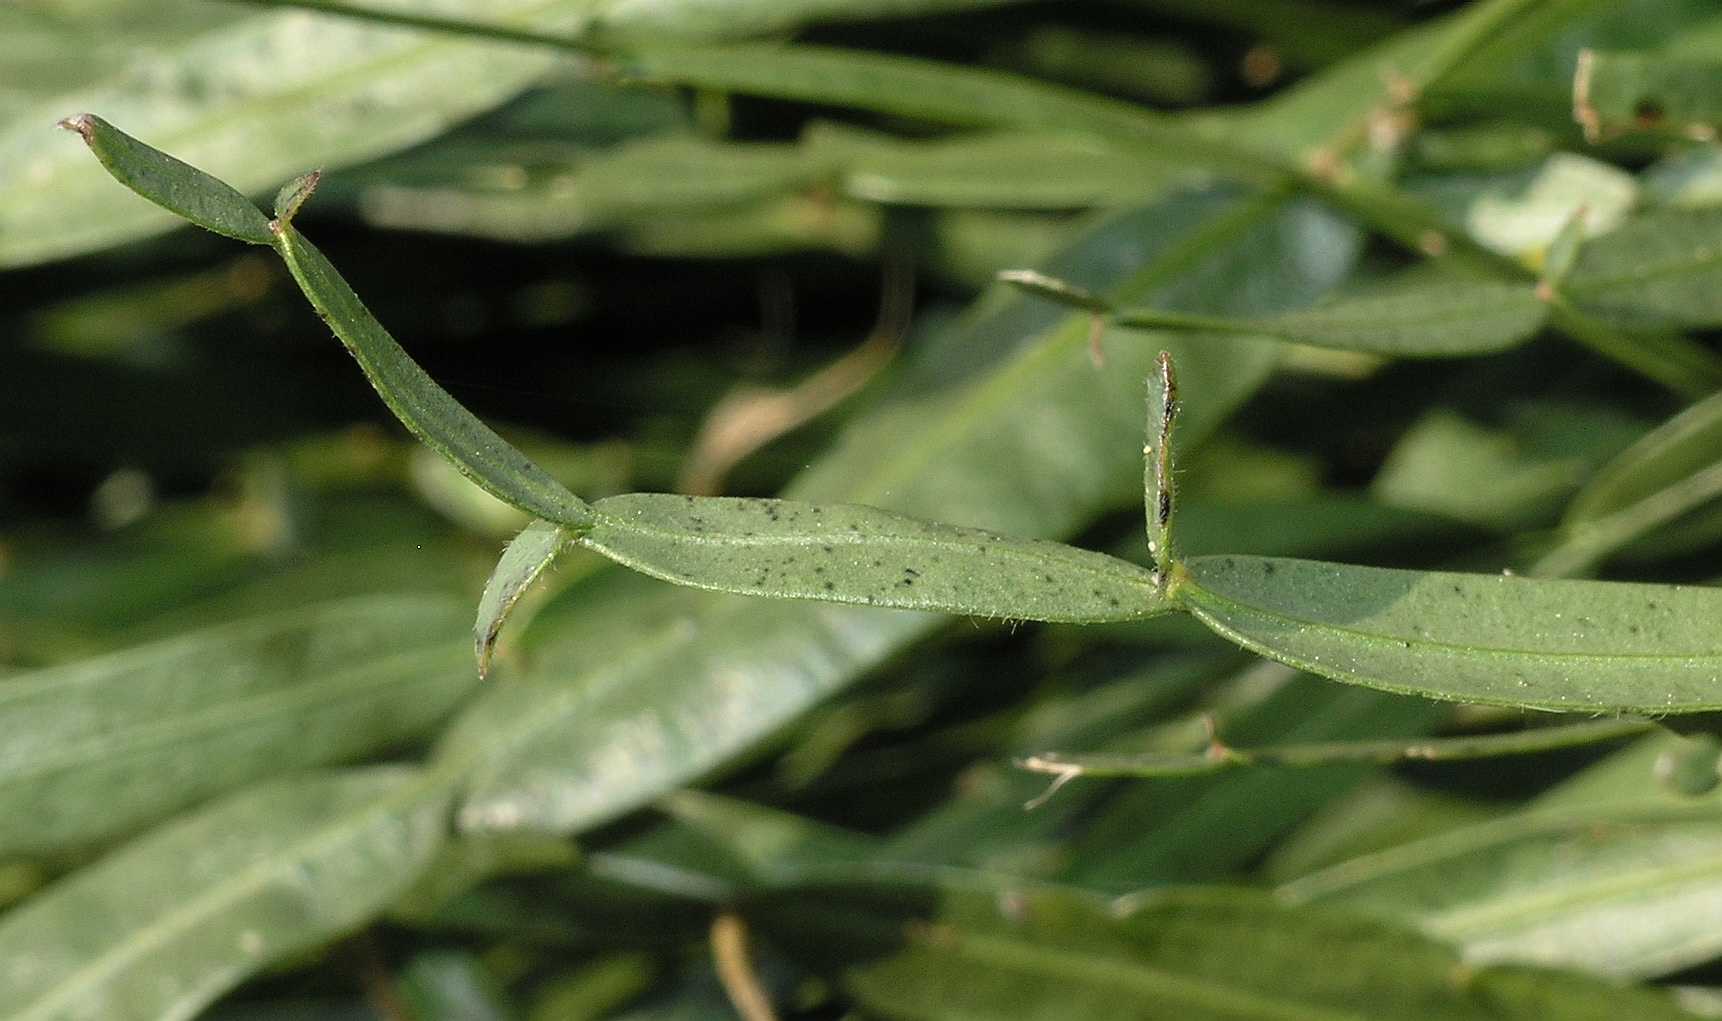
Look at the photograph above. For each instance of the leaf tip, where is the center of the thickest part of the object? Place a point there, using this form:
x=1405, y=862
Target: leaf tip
x=83, y=124
x=292, y=196
x=1055, y=289
x=484, y=647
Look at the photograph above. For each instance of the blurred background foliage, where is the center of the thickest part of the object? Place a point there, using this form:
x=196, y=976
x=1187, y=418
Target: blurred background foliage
x=234, y=594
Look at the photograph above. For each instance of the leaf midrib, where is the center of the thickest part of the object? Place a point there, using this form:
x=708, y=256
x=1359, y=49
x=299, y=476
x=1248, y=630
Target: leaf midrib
x=1067, y=558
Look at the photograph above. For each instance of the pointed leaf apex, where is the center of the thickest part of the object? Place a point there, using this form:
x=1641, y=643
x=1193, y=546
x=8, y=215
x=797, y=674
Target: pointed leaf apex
x=292, y=196
x=83, y=124
x=1062, y=291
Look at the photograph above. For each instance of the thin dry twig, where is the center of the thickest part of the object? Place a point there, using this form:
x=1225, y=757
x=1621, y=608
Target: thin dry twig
x=735, y=969
x=745, y=420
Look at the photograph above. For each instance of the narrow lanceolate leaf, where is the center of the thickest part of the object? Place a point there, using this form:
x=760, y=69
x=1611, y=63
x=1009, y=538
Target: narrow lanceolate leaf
x=1662, y=270
x=1687, y=443
x=1431, y=319
x=175, y=186
x=951, y=944
x=425, y=408
x=99, y=748
x=1220, y=757
x=850, y=554
x=164, y=925
x=422, y=406
x=1571, y=646
x=1618, y=93
x=1674, y=470
x=1630, y=891
x=526, y=557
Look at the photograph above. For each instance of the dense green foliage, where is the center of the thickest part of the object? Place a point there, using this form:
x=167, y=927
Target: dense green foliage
x=1421, y=311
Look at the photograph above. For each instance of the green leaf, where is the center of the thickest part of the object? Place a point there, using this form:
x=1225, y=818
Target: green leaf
x=1001, y=422
x=257, y=97
x=1618, y=93
x=98, y=748
x=1672, y=471
x=1521, y=212
x=452, y=985
x=425, y=408
x=1219, y=757
x=294, y=194
x=1672, y=452
x=527, y=557
x=1062, y=291
x=995, y=169
x=1508, y=475
x=1568, y=646
x=1425, y=319
x=678, y=173
x=729, y=19
x=851, y=554
x=954, y=944
x=166, y=924
x=1626, y=892
x=1662, y=270
x=175, y=186
x=940, y=93
x=610, y=21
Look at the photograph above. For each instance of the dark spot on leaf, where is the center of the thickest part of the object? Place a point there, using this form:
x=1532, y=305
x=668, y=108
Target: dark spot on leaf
x=1647, y=112
x=829, y=586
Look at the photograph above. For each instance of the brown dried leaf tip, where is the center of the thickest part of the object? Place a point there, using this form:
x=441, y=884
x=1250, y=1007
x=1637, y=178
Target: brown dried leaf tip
x=81, y=123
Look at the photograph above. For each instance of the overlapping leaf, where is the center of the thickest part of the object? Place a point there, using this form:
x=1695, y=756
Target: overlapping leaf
x=1573, y=646
x=1627, y=892
x=262, y=97
x=164, y=925
x=98, y=748
x=954, y=943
